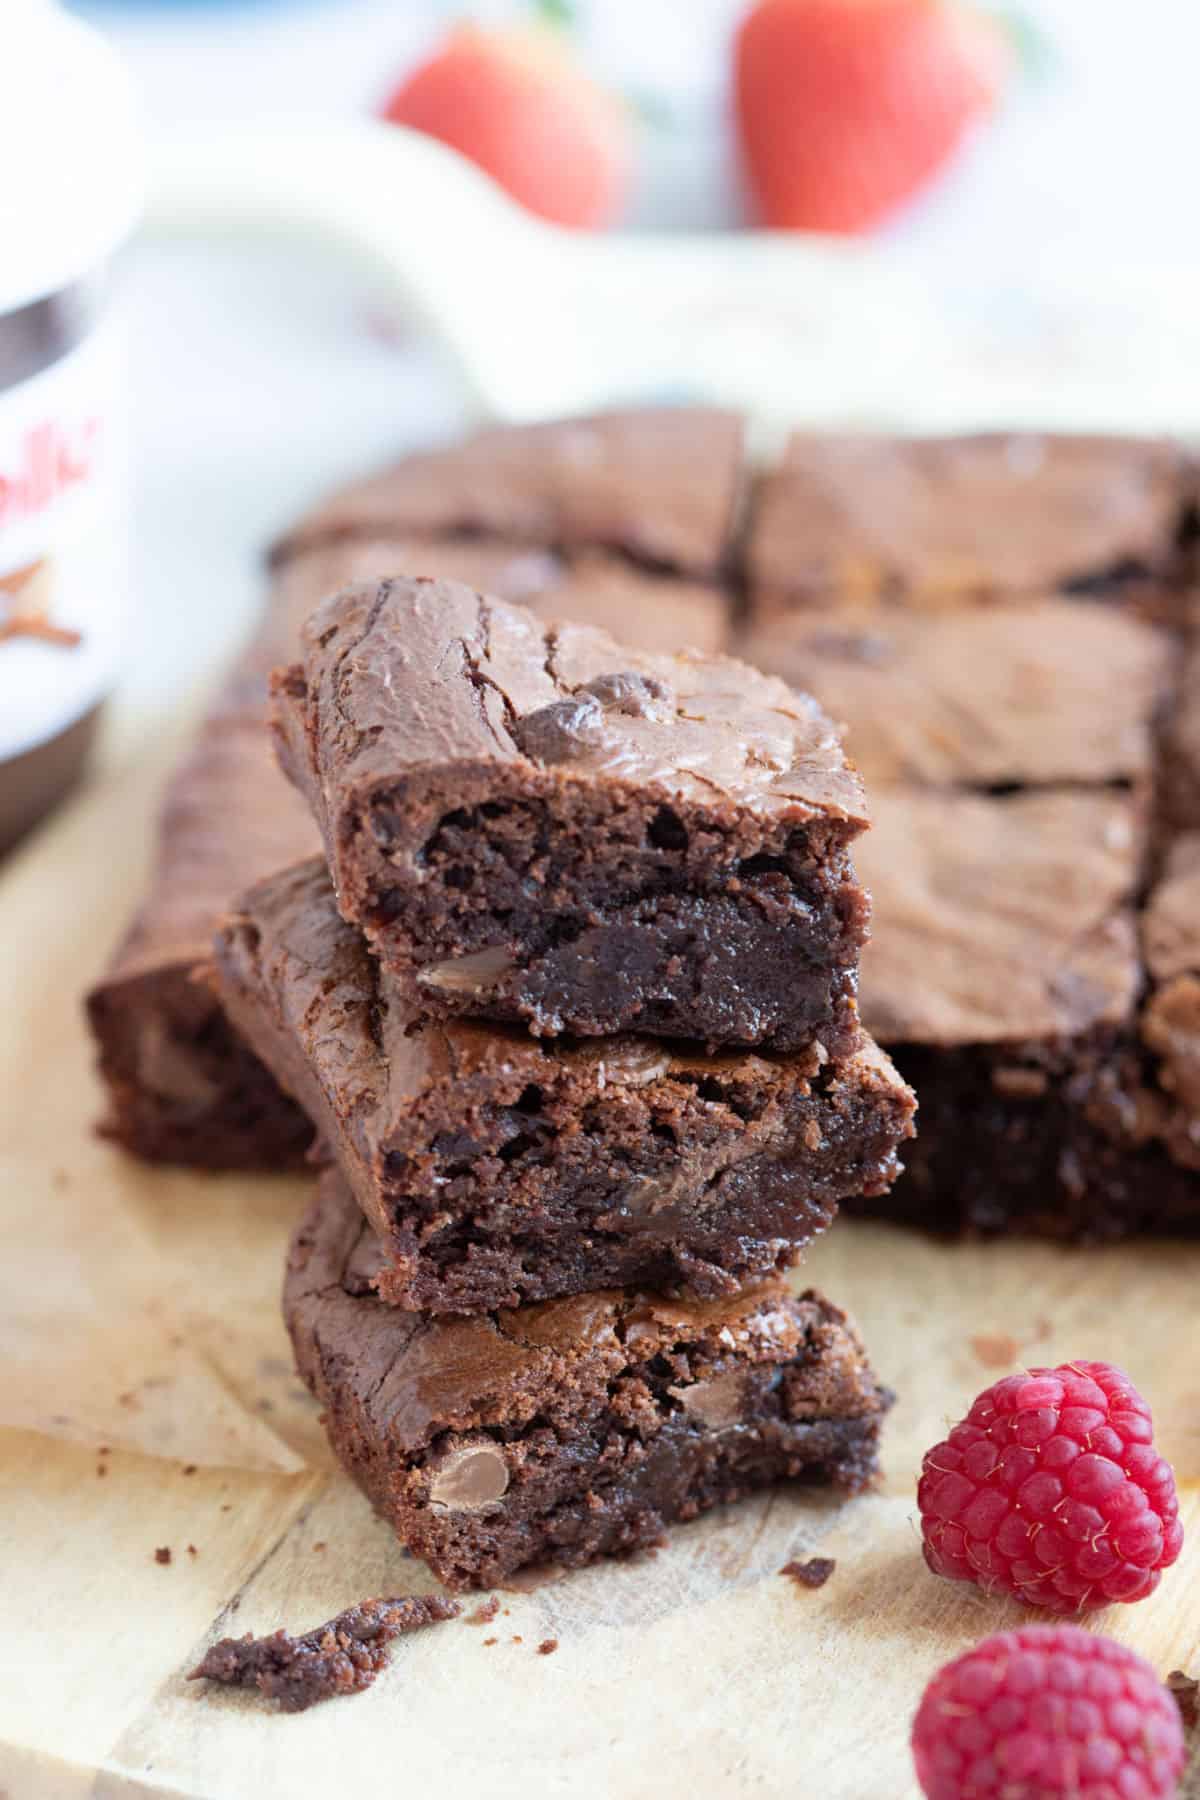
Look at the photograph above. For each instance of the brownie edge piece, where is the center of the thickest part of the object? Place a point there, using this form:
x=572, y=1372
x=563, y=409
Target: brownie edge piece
x=575, y=1429
x=498, y=1169
x=533, y=822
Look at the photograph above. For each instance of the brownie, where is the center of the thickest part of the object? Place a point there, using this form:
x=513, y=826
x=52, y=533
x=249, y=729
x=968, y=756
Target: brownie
x=574, y=1429
x=930, y=519
x=537, y=823
x=658, y=485
x=1041, y=691
x=1057, y=1091
x=497, y=1168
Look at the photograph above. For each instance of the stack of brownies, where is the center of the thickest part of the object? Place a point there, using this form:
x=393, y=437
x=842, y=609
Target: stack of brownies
x=570, y=999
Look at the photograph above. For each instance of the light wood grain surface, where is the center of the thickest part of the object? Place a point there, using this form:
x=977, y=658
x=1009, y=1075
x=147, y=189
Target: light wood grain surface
x=149, y=1402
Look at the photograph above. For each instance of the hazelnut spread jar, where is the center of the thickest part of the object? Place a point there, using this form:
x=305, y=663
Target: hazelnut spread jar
x=67, y=199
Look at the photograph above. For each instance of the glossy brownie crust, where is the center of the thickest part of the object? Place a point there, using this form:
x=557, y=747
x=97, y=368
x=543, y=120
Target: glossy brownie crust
x=575, y=1429
x=497, y=1170
x=927, y=521
x=537, y=823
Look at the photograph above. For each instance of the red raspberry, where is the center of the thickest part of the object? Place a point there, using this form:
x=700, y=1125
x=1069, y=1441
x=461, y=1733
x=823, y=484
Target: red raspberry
x=1044, y=1711
x=1051, y=1490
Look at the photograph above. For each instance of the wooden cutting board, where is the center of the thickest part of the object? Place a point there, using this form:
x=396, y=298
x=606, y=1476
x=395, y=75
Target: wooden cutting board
x=149, y=1404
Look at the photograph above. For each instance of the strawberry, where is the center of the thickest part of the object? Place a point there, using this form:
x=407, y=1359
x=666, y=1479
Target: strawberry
x=518, y=104
x=847, y=108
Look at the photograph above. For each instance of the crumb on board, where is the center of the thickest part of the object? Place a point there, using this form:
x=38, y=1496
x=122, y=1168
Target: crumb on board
x=488, y=1642
x=192, y=1550
x=1185, y=1689
x=189, y=1468
x=163, y=1554
x=995, y=1350
x=319, y=1546
x=485, y=1612
x=343, y=1656
x=518, y=1640
x=102, y=1468
x=547, y=1647
x=811, y=1574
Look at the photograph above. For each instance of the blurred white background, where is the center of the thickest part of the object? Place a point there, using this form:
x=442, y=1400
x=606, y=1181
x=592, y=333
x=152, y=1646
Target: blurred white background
x=258, y=378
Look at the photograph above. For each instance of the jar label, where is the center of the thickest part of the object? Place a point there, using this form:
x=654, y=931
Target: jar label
x=62, y=580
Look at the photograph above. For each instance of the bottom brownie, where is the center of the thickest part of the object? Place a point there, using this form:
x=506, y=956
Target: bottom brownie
x=576, y=1428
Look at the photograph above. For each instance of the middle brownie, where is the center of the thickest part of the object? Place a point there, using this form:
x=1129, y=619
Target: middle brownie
x=533, y=822
x=498, y=1170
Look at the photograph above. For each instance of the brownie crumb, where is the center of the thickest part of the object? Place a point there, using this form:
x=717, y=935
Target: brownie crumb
x=811, y=1574
x=547, y=1647
x=102, y=1468
x=341, y=1657
x=518, y=1640
x=995, y=1352
x=1186, y=1692
x=486, y=1612
x=189, y=1468
x=319, y=1546
x=192, y=1550
x=488, y=1642
x=163, y=1554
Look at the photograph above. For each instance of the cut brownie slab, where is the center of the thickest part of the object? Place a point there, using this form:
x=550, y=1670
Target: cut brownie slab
x=575, y=1429
x=497, y=1169
x=538, y=823
x=659, y=485
x=1004, y=974
x=929, y=519
x=1031, y=693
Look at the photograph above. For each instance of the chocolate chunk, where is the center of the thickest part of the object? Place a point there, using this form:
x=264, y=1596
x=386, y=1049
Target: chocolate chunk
x=341, y=1657
x=637, y=696
x=563, y=731
x=470, y=1478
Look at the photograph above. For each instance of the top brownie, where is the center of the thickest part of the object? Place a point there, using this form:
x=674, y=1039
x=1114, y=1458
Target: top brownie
x=659, y=486
x=996, y=514
x=537, y=823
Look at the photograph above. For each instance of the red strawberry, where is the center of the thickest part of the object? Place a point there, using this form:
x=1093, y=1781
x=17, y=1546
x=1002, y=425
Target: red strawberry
x=846, y=108
x=518, y=104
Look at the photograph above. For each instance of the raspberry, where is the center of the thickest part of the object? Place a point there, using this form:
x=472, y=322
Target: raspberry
x=1051, y=1490
x=1045, y=1711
